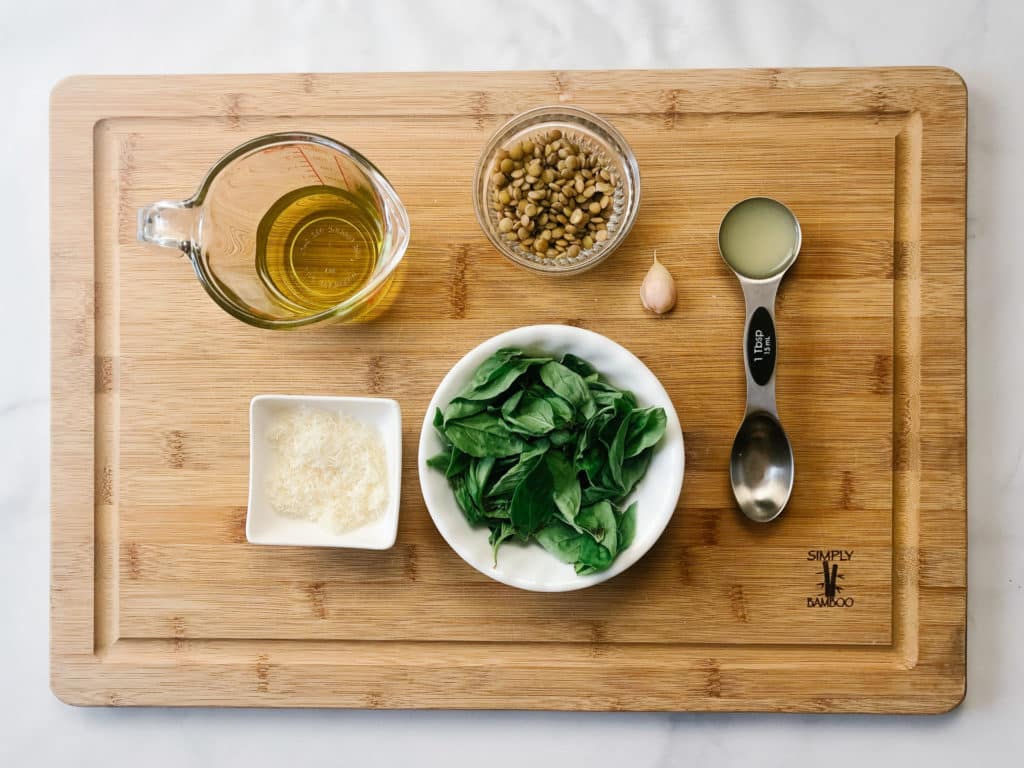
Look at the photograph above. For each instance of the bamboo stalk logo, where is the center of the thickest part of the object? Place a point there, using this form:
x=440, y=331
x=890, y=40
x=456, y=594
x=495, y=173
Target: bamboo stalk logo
x=830, y=582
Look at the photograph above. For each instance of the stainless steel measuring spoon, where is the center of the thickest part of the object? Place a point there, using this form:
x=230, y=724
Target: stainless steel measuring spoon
x=759, y=239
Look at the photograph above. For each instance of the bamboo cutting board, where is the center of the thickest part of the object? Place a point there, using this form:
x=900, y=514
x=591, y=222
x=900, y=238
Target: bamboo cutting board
x=853, y=601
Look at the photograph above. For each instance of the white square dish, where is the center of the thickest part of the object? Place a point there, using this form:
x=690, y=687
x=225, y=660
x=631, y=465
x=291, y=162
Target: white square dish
x=265, y=526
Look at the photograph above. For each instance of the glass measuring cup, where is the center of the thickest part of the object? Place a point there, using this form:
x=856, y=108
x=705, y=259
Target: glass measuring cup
x=227, y=227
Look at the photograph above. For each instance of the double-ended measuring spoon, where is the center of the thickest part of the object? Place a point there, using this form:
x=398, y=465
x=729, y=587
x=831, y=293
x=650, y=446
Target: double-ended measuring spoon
x=759, y=238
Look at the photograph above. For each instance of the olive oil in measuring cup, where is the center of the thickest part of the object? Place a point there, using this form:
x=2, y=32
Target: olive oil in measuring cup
x=288, y=229
x=318, y=246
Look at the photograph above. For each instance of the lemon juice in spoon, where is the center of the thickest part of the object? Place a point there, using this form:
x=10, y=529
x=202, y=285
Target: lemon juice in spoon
x=759, y=238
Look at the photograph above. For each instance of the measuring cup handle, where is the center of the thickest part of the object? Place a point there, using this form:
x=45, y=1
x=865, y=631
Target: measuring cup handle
x=170, y=223
x=760, y=345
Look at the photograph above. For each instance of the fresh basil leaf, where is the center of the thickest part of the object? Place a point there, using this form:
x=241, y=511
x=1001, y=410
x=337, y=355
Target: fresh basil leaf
x=532, y=416
x=489, y=367
x=565, y=414
x=497, y=508
x=459, y=463
x=592, y=430
x=591, y=463
x=561, y=437
x=562, y=411
x=568, y=385
x=616, y=452
x=593, y=557
x=599, y=521
x=473, y=487
x=561, y=541
x=464, y=498
x=645, y=429
x=510, y=405
x=620, y=412
x=460, y=409
x=484, y=435
x=528, y=460
x=441, y=461
x=632, y=470
x=578, y=365
x=531, y=503
x=599, y=385
x=595, y=493
x=627, y=526
x=604, y=399
x=451, y=461
x=499, y=372
x=479, y=471
x=439, y=427
x=566, y=485
x=501, y=380
x=499, y=533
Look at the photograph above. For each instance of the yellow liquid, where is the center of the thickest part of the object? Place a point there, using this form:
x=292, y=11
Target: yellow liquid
x=317, y=246
x=759, y=238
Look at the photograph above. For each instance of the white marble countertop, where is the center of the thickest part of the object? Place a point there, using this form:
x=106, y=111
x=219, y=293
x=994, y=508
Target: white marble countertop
x=41, y=42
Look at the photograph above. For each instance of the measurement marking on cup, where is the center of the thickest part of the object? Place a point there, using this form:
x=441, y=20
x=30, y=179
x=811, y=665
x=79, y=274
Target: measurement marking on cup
x=341, y=170
x=309, y=164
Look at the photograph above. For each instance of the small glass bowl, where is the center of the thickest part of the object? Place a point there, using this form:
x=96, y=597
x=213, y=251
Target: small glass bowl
x=583, y=128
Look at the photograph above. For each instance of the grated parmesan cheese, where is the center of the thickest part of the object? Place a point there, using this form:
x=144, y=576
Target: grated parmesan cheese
x=326, y=467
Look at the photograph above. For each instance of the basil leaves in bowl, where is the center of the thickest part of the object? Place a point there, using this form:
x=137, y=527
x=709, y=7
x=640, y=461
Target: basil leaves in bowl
x=551, y=458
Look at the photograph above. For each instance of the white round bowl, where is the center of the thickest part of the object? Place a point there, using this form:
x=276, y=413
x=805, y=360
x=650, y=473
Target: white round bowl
x=529, y=566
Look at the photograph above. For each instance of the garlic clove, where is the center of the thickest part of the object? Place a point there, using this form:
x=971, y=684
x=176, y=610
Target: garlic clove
x=658, y=291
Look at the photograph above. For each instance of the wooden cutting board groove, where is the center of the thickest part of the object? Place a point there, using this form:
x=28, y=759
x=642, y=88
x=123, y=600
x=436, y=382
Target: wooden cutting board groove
x=157, y=598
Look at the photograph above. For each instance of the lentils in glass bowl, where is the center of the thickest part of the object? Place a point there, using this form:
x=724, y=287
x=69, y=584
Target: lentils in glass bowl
x=557, y=189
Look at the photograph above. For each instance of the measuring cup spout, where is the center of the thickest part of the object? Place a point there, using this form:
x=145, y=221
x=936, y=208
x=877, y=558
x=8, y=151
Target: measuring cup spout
x=170, y=223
